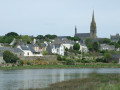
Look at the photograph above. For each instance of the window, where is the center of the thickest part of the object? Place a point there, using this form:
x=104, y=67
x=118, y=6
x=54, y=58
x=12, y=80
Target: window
x=28, y=53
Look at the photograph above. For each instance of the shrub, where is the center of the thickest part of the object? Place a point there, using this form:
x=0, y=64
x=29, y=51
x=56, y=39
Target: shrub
x=64, y=58
x=45, y=63
x=40, y=62
x=25, y=62
x=28, y=63
x=76, y=46
x=59, y=58
x=21, y=62
x=70, y=62
x=114, y=61
x=9, y=57
x=78, y=60
x=85, y=61
x=101, y=60
x=45, y=53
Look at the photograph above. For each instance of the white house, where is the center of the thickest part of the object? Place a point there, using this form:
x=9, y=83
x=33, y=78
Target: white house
x=30, y=49
x=83, y=48
x=67, y=45
x=55, y=49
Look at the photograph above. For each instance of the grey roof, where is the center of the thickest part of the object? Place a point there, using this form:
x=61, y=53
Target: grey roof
x=16, y=50
x=24, y=48
x=31, y=47
x=1, y=54
x=107, y=46
x=83, y=35
x=35, y=45
x=49, y=47
x=43, y=45
x=57, y=45
x=6, y=48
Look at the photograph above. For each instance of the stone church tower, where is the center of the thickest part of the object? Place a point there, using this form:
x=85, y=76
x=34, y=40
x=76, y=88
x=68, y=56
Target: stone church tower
x=93, y=30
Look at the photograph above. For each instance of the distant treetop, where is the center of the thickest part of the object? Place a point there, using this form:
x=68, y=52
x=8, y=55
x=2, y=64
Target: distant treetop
x=11, y=34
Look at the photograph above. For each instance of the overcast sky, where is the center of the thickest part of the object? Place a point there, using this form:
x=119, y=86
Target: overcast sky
x=36, y=17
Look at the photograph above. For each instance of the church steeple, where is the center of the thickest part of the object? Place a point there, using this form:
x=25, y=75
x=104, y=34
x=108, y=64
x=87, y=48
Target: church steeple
x=93, y=18
x=75, y=30
x=93, y=30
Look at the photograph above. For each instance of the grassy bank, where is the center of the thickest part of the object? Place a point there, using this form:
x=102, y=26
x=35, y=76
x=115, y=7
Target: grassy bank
x=94, y=82
x=62, y=66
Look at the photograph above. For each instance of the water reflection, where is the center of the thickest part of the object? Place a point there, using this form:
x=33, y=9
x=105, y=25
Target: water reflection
x=40, y=78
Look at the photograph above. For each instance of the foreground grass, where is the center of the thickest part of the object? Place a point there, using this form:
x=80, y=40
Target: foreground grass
x=94, y=82
x=95, y=65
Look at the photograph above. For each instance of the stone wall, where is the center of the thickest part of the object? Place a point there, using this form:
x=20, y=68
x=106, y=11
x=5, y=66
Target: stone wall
x=46, y=58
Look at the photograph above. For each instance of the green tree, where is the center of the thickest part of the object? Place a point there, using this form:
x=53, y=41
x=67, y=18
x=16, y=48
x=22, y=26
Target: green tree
x=70, y=62
x=89, y=44
x=76, y=46
x=40, y=37
x=9, y=57
x=107, y=56
x=119, y=41
x=26, y=38
x=117, y=45
x=96, y=46
x=11, y=34
x=77, y=39
x=8, y=38
x=50, y=36
x=107, y=41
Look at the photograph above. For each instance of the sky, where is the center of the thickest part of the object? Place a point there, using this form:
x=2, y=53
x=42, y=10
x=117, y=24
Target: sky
x=59, y=17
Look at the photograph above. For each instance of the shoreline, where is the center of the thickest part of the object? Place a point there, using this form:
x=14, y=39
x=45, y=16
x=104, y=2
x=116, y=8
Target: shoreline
x=93, y=82
x=87, y=65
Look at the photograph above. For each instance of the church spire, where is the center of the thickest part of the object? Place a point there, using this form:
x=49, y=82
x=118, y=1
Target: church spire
x=93, y=18
x=75, y=30
x=93, y=30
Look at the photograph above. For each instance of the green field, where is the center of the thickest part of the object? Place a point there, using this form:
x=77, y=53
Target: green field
x=95, y=65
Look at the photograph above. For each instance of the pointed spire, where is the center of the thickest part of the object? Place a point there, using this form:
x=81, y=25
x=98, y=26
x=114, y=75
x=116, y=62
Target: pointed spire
x=93, y=18
x=75, y=27
x=75, y=30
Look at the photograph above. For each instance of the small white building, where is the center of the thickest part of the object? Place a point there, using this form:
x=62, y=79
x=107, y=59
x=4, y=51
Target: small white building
x=30, y=49
x=83, y=48
x=55, y=49
x=67, y=45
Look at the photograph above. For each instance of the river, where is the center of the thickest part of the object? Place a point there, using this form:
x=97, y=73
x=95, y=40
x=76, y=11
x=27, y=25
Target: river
x=40, y=78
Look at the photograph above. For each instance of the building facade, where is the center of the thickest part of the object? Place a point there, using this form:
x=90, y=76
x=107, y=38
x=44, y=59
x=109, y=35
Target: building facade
x=115, y=38
x=93, y=31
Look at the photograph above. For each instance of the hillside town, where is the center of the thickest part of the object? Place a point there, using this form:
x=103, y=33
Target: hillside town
x=82, y=47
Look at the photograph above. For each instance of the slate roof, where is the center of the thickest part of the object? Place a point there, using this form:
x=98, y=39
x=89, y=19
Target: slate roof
x=1, y=54
x=6, y=48
x=17, y=50
x=43, y=45
x=82, y=35
x=107, y=46
x=57, y=45
x=24, y=48
x=31, y=47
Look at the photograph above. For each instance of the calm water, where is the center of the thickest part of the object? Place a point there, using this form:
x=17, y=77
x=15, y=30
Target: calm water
x=40, y=78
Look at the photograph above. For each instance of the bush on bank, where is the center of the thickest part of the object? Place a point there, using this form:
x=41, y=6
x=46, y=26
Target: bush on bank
x=9, y=57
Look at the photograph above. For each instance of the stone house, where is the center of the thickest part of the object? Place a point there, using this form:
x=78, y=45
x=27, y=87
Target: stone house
x=116, y=58
x=107, y=47
x=115, y=38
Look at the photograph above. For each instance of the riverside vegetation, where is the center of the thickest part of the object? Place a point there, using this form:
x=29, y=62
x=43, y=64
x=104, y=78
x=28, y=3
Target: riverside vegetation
x=67, y=61
x=93, y=82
